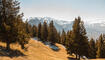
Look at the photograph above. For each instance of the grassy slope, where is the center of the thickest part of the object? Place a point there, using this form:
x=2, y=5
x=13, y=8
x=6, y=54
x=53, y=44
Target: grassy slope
x=37, y=51
x=97, y=59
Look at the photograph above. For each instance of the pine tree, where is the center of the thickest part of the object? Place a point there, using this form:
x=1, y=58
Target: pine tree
x=44, y=32
x=68, y=36
x=101, y=47
x=92, y=48
x=58, y=37
x=69, y=43
x=12, y=28
x=52, y=33
x=80, y=40
x=34, y=31
x=96, y=44
x=63, y=37
x=28, y=28
x=39, y=30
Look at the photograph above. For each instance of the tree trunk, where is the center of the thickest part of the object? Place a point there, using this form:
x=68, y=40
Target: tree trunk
x=79, y=57
x=22, y=46
x=8, y=46
x=76, y=56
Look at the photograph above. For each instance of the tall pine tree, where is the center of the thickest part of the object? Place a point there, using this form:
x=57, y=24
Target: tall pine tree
x=52, y=33
x=92, y=48
x=63, y=37
x=12, y=28
x=44, y=32
x=28, y=28
x=39, y=30
x=80, y=40
x=34, y=31
x=101, y=47
x=69, y=43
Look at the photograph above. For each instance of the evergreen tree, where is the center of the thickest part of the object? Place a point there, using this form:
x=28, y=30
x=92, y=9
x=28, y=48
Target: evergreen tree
x=69, y=43
x=58, y=37
x=52, y=33
x=44, y=32
x=92, y=48
x=63, y=37
x=101, y=47
x=96, y=44
x=68, y=38
x=80, y=40
x=39, y=30
x=28, y=28
x=12, y=28
x=34, y=31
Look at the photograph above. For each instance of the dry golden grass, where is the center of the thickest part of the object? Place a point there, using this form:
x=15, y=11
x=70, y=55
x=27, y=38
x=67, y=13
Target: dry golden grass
x=97, y=59
x=37, y=51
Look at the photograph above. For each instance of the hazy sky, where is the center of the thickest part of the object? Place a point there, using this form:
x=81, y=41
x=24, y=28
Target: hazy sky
x=64, y=9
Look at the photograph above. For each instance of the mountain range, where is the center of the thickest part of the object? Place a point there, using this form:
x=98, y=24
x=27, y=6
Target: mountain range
x=93, y=29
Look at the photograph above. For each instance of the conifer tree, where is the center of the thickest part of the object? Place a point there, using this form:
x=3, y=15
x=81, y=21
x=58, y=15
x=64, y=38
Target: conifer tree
x=39, y=30
x=68, y=38
x=58, y=37
x=63, y=37
x=44, y=32
x=34, y=31
x=92, y=48
x=28, y=28
x=69, y=43
x=96, y=44
x=101, y=47
x=52, y=33
x=80, y=40
x=12, y=28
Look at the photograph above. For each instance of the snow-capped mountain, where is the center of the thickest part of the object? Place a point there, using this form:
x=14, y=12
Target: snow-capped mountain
x=93, y=29
x=59, y=24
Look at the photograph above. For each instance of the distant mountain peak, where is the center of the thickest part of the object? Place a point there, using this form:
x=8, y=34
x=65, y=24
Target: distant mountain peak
x=93, y=29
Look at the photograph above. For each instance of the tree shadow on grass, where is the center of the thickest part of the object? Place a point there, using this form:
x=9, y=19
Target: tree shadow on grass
x=70, y=58
x=11, y=53
x=52, y=46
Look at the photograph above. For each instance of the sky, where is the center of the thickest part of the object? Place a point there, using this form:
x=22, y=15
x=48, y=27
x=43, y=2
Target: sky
x=88, y=10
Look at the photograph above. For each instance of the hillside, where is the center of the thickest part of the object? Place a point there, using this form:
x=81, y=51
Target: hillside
x=36, y=51
x=96, y=59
